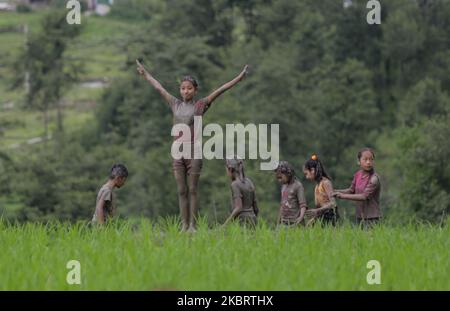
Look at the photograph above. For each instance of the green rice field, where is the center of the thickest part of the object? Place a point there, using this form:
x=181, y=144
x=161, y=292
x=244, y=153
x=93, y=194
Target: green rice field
x=147, y=255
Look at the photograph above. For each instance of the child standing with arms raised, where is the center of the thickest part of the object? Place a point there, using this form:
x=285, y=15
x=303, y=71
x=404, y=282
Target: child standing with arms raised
x=187, y=170
x=365, y=190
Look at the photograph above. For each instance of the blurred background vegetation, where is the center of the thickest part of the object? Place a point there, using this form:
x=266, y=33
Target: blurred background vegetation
x=72, y=104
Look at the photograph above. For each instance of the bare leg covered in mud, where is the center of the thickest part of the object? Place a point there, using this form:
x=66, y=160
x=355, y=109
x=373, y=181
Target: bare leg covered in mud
x=180, y=177
x=193, y=200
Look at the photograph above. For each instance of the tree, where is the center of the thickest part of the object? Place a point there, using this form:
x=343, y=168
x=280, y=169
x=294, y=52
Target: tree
x=422, y=162
x=50, y=73
x=423, y=101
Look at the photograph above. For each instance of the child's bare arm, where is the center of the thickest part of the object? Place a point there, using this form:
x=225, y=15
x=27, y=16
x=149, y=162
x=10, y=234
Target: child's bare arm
x=100, y=215
x=302, y=215
x=155, y=83
x=348, y=190
x=372, y=186
x=227, y=86
x=301, y=199
x=255, y=206
x=329, y=191
x=237, y=203
x=352, y=197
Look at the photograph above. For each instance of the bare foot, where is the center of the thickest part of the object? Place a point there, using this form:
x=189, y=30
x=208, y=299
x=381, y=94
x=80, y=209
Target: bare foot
x=184, y=227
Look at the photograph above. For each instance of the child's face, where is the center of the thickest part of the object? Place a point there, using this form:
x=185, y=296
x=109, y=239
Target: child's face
x=366, y=162
x=120, y=181
x=282, y=178
x=187, y=90
x=309, y=174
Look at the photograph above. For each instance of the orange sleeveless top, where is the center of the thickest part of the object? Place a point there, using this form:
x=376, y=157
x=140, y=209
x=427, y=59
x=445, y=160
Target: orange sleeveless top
x=320, y=195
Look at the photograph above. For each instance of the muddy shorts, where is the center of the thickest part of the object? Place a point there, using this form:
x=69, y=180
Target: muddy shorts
x=291, y=223
x=190, y=166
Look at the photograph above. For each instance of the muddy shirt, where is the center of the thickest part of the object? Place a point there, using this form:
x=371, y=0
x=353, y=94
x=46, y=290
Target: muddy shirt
x=106, y=194
x=184, y=112
x=245, y=191
x=292, y=200
x=370, y=187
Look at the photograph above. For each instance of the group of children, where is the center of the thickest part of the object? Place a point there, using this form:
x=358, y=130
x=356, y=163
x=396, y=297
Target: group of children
x=364, y=189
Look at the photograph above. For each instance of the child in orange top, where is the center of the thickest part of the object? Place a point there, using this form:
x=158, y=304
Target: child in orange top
x=326, y=208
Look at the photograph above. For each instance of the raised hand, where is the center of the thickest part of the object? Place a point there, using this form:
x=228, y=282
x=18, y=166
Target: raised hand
x=243, y=73
x=140, y=68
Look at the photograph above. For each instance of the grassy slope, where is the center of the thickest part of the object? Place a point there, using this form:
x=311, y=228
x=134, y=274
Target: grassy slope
x=99, y=50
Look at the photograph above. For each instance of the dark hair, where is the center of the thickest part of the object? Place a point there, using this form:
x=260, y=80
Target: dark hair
x=319, y=169
x=285, y=168
x=360, y=152
x=236, y=165
x=190, y=79
x=118, y=170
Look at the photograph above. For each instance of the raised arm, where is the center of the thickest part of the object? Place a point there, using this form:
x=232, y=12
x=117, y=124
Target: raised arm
x=143, y=72
x=227, y=86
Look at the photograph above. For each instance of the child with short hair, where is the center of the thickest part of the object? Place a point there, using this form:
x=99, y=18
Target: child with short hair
x=293, y=202
x=326, y=208
x=244, y=205
x=365, y=190
x=105, y=207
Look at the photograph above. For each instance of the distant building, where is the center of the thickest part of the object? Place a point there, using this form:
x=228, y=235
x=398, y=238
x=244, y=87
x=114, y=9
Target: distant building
x=4, y=6
x=347, y=3
x=100, y=7
x=32, y=1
